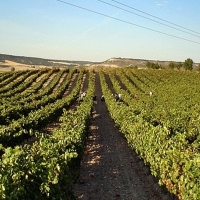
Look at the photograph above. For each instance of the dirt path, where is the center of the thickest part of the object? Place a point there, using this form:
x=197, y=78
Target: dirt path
x=110, y=170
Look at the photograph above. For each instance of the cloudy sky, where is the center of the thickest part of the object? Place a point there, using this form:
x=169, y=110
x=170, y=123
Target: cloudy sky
x=96, y=30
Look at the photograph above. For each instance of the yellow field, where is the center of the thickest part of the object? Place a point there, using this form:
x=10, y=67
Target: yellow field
x=7, y=66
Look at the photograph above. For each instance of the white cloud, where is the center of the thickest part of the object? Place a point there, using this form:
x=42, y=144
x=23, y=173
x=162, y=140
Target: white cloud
x=161, y=3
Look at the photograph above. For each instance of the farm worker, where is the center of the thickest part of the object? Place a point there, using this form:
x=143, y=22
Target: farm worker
x=95, y=97
x=81, y=97
x=102, y=98
x=120, y=97
x=116, y=97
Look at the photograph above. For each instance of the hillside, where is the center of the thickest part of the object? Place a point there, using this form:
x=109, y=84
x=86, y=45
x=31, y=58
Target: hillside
x=8, y=62
x=128, y=62
x=23, y=62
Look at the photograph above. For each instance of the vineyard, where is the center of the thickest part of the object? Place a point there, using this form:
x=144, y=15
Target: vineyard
x=44, y=125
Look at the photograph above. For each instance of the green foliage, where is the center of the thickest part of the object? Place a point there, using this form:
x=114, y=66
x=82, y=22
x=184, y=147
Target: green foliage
x=171, y=65
x=152, y=65
x=175, y=65
x=188, y=64
x=163, y=129
x=165, y=133
x=179, y=65
x=48, y=168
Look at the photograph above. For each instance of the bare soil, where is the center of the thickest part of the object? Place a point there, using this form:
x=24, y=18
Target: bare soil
x=110, y=169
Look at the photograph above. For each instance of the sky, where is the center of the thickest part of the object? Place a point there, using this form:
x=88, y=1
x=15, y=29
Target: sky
x=93, y=30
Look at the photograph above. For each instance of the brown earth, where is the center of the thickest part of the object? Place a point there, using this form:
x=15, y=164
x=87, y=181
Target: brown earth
x=110, y=170
x=7, y=65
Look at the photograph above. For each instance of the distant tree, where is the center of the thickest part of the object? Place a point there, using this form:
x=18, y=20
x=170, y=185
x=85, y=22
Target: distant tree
x=188, y=64
x=148, y=64
x=12, y=69
x=152, y=65
x=172, y=65
x=156, y=66
x=179, y=65
x=135, y=67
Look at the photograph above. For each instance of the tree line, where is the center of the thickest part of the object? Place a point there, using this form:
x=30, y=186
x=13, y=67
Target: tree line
x=188, y=64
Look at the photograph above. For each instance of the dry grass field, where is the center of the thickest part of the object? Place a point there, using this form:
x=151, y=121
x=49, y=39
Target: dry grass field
x=9, y=65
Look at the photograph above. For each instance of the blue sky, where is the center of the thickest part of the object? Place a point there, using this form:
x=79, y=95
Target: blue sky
x=56, y=30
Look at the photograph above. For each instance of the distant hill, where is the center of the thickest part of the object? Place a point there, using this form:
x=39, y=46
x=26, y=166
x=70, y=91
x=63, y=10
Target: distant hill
x=23, y=62
x=41, y=61
x=129, y=62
